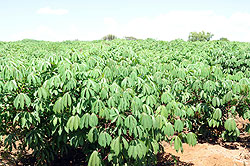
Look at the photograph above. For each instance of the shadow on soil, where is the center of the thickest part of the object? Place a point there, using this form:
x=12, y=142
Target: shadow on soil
x=242, y=141
x=167, y=159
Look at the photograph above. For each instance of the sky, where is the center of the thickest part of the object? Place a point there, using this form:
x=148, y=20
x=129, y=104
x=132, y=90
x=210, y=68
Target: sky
x=59, y=20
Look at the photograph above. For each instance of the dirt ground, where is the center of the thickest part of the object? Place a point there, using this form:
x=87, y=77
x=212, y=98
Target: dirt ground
x=213, y=154
x=209, y=155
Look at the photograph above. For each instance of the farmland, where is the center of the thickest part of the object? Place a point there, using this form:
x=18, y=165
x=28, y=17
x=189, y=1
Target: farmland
x=115, y=101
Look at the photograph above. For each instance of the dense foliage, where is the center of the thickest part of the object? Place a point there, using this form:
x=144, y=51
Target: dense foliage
x=200, y=36
x=117, y=100
x=224, y=39
x=109, y=37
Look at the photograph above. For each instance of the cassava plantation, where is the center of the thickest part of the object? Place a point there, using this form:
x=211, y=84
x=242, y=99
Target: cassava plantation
x=116, y=101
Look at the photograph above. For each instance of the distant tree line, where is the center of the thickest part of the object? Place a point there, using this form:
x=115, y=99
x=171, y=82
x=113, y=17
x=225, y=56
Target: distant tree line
x=193, y=36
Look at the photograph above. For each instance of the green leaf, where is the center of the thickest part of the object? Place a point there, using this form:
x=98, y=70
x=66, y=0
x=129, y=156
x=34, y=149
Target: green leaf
x=230, y=124
x=84, y=121
x=163, y=111
x=94, y=159
x=67, y=100
x=178, y=125
x=23, y=122
x=217, y=114
x=158, y=121
x=130, y=122
x=191, y=139
x=190, y=111
x=92, y=135
x=58, y=106
x=216, y=101
x=125, y=143
x=169, y=129
x=229, y=96
x=146, y=121
x=116, y=146
x=20, y=100
x=93, y=120
x=55, y=121
x=132, y=151
x=76, y=122
x=42, y=93
x=104, y=139
x=70, y=123
x=155, y=146
x=178, y=144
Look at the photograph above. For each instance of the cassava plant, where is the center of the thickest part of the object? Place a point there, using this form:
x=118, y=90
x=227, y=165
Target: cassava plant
x=117, y=102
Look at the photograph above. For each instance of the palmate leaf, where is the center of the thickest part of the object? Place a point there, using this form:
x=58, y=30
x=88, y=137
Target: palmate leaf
x=127, y=82
x=104, y=139
x=147, y=109
x=55, y=119
x=67, y=75
x=116, y=145
x=76, y=122
x=71, y=84
x=213, y=123
x=58, y=106
x=169, y=130
x=33, y=79
x=216, y=101
x=217, y=114
x=137, y=132
x=104, y=93
x=93, y=120
x=130, y=122
x=132, y=151
x=70, y=124
x=158, y=121
x=147, y=89
x=66, y=99
x=20, y=100
x=92, y=84
x=97, y=106
x=93, y=135
x=146, y=121
x=230, y=124
x=136, y=104
x=155, y=146
x=42, y=93
x=125, y=143
x=85, y=121
x=191, y=139
x=178, y=125
x=197, y=85
x=177, y=144
x=94, y=159
x=137, y=149
x=120, y=120
x=151, y=100
x=228, y=96
x=236, y=88
x=73, y=123
x=104, y=113
x=87, y=93
x=163, y=111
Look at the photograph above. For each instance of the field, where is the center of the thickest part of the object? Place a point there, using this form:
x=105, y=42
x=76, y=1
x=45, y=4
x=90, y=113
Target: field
x=118, y=102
